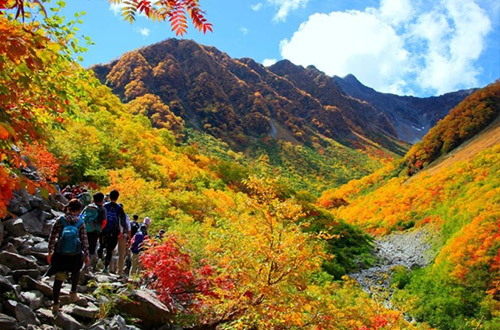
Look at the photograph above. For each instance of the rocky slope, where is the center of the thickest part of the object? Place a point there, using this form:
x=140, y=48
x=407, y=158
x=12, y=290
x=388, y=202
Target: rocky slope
x=410, y=249
x=412, y=117
x=26, y=296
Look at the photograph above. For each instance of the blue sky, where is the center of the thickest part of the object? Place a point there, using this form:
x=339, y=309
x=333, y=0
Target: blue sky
x=410, y=47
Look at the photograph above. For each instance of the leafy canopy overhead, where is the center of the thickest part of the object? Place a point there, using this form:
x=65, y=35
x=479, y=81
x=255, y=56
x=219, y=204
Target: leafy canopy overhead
x=175, y=11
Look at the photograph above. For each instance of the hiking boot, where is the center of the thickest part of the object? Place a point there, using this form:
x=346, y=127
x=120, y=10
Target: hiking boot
x=73, y=297
x=55, y=308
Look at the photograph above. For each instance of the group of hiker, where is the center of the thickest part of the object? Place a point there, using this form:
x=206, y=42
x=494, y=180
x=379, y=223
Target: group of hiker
x=75, y=237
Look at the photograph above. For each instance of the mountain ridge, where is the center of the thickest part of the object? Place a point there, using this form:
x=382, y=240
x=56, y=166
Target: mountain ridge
x=236, y=99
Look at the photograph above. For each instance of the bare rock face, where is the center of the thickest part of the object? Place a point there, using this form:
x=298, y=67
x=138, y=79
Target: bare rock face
x=15, y=227
x=16, y=261
x=7, y=322
x=67, y=322
x=145, y=306
x=34, y=221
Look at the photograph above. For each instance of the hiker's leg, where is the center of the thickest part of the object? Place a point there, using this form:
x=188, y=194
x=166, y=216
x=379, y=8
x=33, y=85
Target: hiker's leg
x=122, y=246
x=133, y=268
x=110, y=243
x=56, y=290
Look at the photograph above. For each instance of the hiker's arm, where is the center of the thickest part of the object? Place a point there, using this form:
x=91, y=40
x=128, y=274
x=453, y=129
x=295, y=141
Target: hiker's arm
x=104, y=217
x=84, y=240
x=123, y=222
x=54, y=233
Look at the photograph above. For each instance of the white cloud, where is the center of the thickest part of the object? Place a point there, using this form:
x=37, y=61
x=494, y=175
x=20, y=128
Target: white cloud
x=269, y=61
x=395, y=11
x=430, y=46
x=116, y=8
x=244, y=30
x=145, y=32
x=257, y=6
x=285, y=7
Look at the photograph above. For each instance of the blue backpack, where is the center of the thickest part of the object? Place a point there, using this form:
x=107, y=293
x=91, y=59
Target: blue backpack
x=69, y=241
x=89, y=216
x=138, y=240
x=112, y=225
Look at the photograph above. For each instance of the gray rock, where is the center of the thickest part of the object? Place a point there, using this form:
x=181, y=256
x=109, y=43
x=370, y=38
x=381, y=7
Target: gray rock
x=47, y=227
x=48, y=215
x=25, y=250
x=16, y=261
x=33, y=298
x=56, y=214
x=67, y=322
x=6, y=285
x=7, y=322
x=10, y=248
x=27, y=283
x=41, y=247
x=33, y=221
x=16, y=242
x=23, y=313
x=36, y=202
x=45, y=316
x=15, y=227
x=90, y=312
x=146, y=306
x=4, y=270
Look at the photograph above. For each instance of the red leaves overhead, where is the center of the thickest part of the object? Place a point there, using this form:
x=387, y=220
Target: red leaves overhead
x=175, y=11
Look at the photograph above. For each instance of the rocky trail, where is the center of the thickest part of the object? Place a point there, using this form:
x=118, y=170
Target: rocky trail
x=105, y=301
x=409, y=249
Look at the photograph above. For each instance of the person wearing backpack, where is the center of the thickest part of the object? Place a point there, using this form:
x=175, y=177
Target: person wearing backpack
x=123, y=239
x=85, y=198
x=94, y=216
x=68, y=250
x=134, y=225
x=136, y=247
x=111, y=231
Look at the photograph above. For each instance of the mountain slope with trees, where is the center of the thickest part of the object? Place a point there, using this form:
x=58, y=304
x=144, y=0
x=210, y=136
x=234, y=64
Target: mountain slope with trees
x=457, y=199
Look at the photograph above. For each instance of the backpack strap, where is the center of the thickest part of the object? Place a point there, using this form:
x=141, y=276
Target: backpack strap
x=63, y=221
x=79, y=223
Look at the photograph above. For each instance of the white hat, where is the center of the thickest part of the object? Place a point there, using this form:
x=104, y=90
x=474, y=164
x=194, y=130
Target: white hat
x=147, y=221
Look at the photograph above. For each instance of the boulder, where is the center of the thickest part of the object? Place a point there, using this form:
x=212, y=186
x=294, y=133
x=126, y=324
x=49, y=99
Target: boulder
x=145, y=305
x=116, y=323
x=67, y=322
x=41, y=247
x=15, y=227
x=45, y=316
x=27, y=283
x=34, y=221
x=33, y=298
x=7, y=322
x=6, y=285
x=47, y=228
x=15, y=261
x=16, y=243
x=90, y=312
x=23, y=313
x=4, y=270
x=56, y=214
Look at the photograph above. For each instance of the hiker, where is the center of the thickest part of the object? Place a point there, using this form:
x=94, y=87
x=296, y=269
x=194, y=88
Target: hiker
x=146, y=222
x=123, y=239
x=134, y=225
x=68, y=249
x=109, y=237
x=160, y=235
x=94, y=216
x=136, y=247
x=85, y=197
